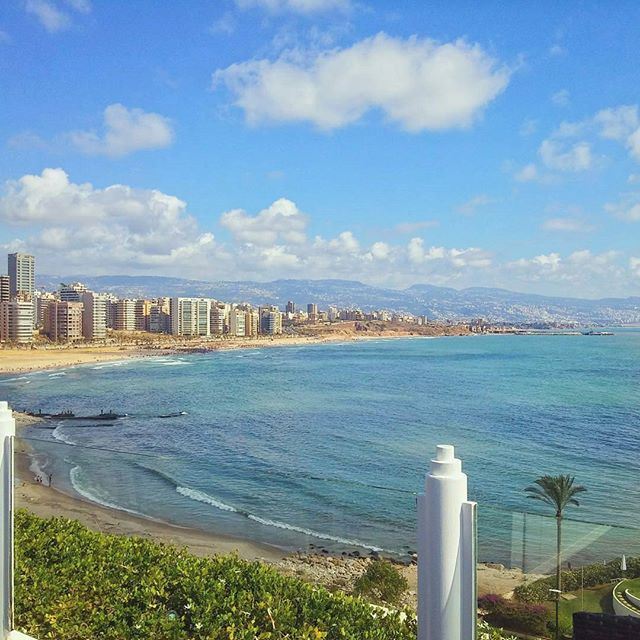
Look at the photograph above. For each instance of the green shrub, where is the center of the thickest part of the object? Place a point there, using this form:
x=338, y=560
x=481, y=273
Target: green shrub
x=594, y=575
x=518, y=616
x=381, y=582
x=75, y=584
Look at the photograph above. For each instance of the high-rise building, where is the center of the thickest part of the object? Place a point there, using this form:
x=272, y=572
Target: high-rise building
x=236, y=322
x=71, y=292
x=63, y=321
x=94, y=319
x=42, y=299
x=160, y=316
x=312, y=312
x=142, y=313
x=219, y=318
x=291, y=307
x=251, y=323
x=190, y=316
x=16, y=321
x=125, y=319
x=22, y=270
x=5, y=288
x=270, y=321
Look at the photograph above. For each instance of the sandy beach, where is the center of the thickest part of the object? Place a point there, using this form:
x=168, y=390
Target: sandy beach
x=339, y=571
x=139, y=345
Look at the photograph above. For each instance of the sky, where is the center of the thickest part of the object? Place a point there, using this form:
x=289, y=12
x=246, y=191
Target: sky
x=451, y=143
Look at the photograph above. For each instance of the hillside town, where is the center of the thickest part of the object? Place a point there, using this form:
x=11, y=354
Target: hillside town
x=73, y=313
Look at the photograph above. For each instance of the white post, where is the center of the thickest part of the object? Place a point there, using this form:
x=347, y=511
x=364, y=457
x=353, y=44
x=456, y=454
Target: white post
x=7, y=432
x=447, y=606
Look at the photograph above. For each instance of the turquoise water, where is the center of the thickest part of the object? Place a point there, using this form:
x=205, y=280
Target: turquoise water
x=328, y=444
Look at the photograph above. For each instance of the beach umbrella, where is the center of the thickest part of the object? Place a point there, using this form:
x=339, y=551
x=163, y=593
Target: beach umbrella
x=623, y=563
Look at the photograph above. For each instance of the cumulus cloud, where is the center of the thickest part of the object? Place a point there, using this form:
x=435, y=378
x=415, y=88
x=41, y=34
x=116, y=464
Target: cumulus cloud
x=628, y=209
x=528, y=173
x=416, y=83
x=568, y=158
x=51, y=17
x=48, y=15
x=296, y=6
x=125, y=131
x=114, y=228
x=80, y=228
x=280, y=222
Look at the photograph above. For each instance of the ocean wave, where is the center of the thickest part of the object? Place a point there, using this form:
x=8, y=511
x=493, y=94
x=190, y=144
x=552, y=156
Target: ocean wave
x=201, y=496
x=57, y=374
x=75, y=475
x=61, y=437
x=16, y=379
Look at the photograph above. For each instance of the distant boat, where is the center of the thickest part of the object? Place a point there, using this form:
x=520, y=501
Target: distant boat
x=173, y=415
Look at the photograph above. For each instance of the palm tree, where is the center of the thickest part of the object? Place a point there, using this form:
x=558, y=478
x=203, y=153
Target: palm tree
x=558, y=492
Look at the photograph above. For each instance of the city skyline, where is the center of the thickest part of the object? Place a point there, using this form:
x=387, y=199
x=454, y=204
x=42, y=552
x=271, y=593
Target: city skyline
x=326, y=139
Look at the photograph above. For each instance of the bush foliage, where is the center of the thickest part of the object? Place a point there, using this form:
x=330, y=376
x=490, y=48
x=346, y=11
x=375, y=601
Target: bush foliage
x=518, y=616
x=381, y=582
x=594, y=575
x=76, y=584
x=73, y=584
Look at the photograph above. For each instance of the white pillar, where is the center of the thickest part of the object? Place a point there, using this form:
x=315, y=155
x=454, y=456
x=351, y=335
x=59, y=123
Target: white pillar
x=447, y=607
x=7, y=431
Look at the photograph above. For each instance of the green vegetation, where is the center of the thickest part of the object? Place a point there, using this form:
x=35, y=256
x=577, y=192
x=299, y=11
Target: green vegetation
x=596, y=600
x=381, y=582
x=514, y=615
x=633, y=586
x=594, y=575
x=75, y=584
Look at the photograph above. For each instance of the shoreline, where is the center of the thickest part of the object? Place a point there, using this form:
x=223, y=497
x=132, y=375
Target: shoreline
x=21, y=361
x=320, y=567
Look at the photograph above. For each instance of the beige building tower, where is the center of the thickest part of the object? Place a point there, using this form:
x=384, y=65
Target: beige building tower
x=94, y=319
x=63, y=321
x=22, y=270
x=16, y=321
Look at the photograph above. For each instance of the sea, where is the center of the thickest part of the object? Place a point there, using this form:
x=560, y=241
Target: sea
x=325, y=446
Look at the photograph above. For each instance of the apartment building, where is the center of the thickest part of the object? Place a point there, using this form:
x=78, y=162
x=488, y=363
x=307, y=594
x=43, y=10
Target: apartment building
x=270, y=321
x=190, y=316
x=63, y=321
x=71, y=292
x=94, y=319
x=251, y=323
x=219, y=318
x=160, y=316
x=22, y=269
x=142, y=315
x=5, y=288
x=236, y=322
x=16, y=321
x=125, y=315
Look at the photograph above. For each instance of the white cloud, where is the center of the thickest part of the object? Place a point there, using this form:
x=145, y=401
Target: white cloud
x=528, y=127
x=49, y=16
x=567, y=224
x=125, y=131
x=569, y=158
x=80, y=228
x=296, y=6
x=617, y=123
x=528, y=173
x=557, y=50
x=225, y=24
x=561, y=98
x=417, y=83
x=280, y=222
x=628, y=209
x=469, y=207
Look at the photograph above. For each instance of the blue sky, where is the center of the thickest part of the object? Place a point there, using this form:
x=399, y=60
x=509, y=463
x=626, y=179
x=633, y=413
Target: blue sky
x=461, y=144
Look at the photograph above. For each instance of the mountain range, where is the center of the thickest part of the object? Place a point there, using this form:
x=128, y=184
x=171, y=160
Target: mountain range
x=441, y=303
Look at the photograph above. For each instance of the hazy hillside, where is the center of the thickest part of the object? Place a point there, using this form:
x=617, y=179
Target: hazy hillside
x=435, y=302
